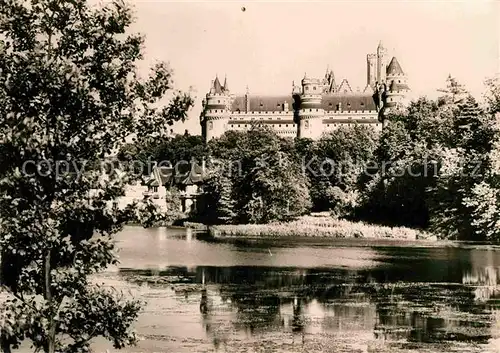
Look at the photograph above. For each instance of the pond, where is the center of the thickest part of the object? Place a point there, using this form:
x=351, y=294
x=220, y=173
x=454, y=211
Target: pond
x=298, y=295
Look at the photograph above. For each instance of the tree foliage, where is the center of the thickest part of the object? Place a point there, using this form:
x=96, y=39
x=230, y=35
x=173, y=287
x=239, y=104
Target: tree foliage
x=433, y=162
x=69, y=95
x=257, y=180
x=169, y=150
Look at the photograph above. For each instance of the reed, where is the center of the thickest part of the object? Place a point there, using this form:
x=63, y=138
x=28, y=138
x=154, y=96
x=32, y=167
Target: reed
x=313, y=226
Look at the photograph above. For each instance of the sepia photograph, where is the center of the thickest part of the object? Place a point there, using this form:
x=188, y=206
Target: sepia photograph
x=266, y=176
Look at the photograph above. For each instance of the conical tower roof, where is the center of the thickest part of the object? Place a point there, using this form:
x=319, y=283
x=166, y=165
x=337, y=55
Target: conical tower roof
x=226, y=87
x=217, y=86
x=394, y=68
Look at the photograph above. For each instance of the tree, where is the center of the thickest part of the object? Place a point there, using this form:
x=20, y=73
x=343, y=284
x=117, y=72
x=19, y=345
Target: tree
x=182, y=148
x=464, y=164
x=166, y=151
x=395, y=191
x=484, y=198
x=219, y=200
x=69, y=95
x=335, y=166
x=261, y=178
x=493, y=94
x=272, y=188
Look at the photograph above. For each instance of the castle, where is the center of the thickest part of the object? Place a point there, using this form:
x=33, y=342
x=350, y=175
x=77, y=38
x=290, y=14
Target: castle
x=313, y=108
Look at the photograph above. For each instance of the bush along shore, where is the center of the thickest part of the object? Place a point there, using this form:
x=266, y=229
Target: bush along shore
x=321, y=227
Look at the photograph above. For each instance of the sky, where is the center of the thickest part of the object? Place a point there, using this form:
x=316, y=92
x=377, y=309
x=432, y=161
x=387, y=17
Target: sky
x=273, y=43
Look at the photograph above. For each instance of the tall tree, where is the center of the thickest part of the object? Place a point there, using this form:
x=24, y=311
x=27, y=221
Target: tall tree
x=484, y=198
x=406, y=165
x=464, y=164
x=265, y=180
x=333, y=165
x=69, y=95
x=218, y=197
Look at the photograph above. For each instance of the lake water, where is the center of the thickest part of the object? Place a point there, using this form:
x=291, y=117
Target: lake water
x=308, y=295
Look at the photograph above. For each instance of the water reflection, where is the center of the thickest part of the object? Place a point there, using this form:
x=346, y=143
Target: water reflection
x=429, y=297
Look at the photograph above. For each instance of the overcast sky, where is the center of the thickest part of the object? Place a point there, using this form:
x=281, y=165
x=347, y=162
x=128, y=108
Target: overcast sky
x=270, y=44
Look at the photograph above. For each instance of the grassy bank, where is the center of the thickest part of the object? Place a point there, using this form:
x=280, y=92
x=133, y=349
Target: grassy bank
x=318, y=226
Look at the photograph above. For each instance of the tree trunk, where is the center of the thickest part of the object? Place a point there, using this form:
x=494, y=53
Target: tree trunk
x=51, y=339
x=5, y=344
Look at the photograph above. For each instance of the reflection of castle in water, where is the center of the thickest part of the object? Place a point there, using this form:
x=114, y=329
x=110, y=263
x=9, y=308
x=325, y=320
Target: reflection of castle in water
x=254, y=301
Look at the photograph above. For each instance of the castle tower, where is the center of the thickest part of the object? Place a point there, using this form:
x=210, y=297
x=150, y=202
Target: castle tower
x=310, y=110
x=397, y=85
x=216, y=110
x=371, y=70
x=381, y=63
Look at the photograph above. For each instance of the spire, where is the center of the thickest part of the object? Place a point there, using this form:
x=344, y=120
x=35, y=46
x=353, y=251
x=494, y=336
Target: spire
x=394, y=68
x=217, y=85
x=248, y=91
x=333, y=85
x=226, y=88
x=380, y=45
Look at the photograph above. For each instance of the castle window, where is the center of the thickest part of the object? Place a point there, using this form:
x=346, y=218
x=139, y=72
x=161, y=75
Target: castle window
x=218, y=101
x=279, y=125
x=307, y=88
x=314, y=88
x=399, y=81
x=327, y=125
x=316, y=109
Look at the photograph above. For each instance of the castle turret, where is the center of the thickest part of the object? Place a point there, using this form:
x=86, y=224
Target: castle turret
x=381, y=63
x=397, y=84
x=310, y=111
x=216, y=109
x=371, y=70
